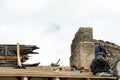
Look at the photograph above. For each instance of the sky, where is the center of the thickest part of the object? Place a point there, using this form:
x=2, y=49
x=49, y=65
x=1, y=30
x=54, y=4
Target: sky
x=52, y=24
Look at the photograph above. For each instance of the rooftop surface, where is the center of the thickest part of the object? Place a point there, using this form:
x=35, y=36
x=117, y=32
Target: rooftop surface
x=46, y=71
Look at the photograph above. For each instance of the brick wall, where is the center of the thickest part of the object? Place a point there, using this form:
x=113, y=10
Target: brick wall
x=83, y=45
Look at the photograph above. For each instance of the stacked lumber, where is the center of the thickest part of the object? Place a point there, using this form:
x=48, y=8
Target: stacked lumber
x=8, y=53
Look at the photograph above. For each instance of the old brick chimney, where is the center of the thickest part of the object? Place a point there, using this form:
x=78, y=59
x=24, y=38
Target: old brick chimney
x=82, y=48
x=83, y=45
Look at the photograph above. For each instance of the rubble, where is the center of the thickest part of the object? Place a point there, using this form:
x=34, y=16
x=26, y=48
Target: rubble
x=8, y=53
x=83, y=45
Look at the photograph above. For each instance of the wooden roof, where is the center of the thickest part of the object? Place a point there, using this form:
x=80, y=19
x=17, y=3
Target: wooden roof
x=12, y=50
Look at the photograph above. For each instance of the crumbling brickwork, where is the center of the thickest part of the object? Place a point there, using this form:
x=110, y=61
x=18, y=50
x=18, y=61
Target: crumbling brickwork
x=83, y=46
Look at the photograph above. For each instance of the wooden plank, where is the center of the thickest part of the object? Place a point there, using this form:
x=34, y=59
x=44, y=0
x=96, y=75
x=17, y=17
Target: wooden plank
x=24, y=78
x=6, y=51
x=56, y=78
x=9, y=57
x=37, y=72
x=18, y=55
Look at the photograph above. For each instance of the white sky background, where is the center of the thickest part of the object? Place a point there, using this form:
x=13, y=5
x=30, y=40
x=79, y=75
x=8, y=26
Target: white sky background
x=52, y=24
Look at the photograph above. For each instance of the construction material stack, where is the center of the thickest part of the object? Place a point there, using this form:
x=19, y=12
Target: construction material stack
x=8, y=53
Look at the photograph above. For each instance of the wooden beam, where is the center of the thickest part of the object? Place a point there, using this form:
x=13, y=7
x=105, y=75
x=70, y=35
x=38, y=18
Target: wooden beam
x=6, y=51
x=88, y=79
x=9, y=57
x=24, y=78
x=56, y=78
x=18, y=55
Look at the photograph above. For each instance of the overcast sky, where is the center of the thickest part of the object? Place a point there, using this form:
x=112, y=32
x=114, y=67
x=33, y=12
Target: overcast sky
x=52, y=24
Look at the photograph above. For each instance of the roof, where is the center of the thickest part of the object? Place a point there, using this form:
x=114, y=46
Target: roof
x=11, y=49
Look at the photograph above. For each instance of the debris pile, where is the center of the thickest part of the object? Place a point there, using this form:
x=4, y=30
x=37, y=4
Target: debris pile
x=8, y=53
